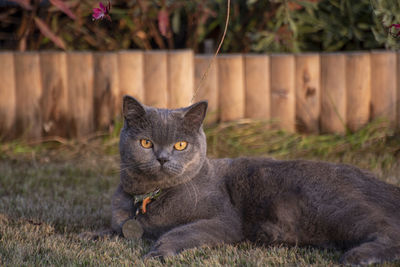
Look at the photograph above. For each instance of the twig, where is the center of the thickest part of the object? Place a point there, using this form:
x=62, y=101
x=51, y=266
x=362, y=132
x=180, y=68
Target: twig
x=228, y=9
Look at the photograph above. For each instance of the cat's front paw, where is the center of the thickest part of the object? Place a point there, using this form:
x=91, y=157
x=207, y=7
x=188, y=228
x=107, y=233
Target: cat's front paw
x=159, y=254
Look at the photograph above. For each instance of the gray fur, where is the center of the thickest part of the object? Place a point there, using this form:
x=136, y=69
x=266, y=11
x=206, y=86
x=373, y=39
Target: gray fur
x=214, y=201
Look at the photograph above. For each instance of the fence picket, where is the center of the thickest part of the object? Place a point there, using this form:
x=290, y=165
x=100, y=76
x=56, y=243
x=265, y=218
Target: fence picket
x=80, y=94
x=106, y=90
x=54, y=102
x=180, y=78
x=231, y=87
x=7, y=95
x=257, y=81
x=358, y=88
x=156, y=79
x=308, y=93
x=28, y=94
x=131, y=74
x=283, y=105
x=383, y=86
x=209, y=88
x=333, y=93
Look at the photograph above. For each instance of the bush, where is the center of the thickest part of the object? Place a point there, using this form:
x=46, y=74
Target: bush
x=255, y=25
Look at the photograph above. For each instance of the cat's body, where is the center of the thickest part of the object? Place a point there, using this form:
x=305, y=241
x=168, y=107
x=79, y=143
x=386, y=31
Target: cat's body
x=213, y=201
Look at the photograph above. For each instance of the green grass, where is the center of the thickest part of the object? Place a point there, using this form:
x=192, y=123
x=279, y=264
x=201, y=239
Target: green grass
x=52, y=191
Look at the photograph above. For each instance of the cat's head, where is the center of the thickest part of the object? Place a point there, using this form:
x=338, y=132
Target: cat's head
x=160, y=148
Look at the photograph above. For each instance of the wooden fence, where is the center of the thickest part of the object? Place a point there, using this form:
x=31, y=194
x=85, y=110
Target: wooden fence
x=75, y=94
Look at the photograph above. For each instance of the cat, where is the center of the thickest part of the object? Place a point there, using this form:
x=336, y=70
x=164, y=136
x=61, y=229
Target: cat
x=206, y=202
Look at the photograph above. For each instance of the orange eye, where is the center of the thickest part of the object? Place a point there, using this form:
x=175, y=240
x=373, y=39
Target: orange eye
x=146, y=143
x=180, y=145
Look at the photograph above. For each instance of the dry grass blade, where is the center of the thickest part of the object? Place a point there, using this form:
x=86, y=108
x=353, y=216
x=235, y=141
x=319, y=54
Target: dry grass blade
x=45, y=30
x=64, y=8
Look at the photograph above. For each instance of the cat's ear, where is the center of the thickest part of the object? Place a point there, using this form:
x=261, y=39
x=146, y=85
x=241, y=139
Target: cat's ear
x=132, y=109
x=195, y=114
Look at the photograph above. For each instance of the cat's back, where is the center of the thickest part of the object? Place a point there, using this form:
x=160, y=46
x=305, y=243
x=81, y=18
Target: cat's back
x=308, y=202
x=249, y=179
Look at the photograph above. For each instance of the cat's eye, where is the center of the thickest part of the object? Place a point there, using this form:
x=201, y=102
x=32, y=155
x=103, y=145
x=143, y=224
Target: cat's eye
x=146, y=143
x=181, y=145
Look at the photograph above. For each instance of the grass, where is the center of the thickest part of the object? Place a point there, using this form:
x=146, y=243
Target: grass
x=52, y=191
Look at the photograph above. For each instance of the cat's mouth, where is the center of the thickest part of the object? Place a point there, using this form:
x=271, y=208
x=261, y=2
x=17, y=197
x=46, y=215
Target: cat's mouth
x=170, y=169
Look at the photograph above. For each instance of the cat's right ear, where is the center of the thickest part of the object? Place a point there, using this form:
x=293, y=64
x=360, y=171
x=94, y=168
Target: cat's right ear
x=132, y=109
x=194, y=115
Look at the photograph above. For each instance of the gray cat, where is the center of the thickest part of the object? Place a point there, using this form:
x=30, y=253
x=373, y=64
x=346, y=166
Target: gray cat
x=193, y=201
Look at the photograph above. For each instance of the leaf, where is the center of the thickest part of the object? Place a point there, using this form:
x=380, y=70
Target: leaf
x=163, y=22
x=251, y=2
x=176, y=21
x=45, y=30
x=64, y=8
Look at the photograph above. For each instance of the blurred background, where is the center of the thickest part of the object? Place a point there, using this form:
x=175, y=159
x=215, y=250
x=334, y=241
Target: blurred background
x=255, y=25
x=308, y=66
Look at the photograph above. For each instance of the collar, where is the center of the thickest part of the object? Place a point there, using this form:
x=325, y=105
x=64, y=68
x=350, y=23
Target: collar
x=140, y=201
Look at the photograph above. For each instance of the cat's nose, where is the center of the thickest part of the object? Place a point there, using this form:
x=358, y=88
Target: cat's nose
x=162, y=160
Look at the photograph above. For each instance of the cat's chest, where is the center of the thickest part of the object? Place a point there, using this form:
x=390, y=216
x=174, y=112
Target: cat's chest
x=179, y=207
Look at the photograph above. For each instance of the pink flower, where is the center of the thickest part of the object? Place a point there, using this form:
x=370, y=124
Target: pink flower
x=102, y=12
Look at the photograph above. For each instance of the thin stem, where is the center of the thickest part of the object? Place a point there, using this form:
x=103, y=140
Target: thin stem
x=216, y=53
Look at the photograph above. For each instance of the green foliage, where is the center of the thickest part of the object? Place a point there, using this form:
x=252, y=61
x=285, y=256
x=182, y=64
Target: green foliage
x=255, y=25
x=386, y=13
x=348, y=25
x=336, y=25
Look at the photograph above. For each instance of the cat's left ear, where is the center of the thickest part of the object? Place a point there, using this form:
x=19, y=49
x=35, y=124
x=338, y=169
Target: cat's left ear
x=195, y=114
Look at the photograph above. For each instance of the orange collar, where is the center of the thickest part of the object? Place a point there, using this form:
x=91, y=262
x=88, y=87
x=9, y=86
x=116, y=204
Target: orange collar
x=141, y=201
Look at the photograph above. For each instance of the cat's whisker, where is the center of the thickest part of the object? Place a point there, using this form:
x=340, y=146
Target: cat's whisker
x=195, y=192
x=131, y=165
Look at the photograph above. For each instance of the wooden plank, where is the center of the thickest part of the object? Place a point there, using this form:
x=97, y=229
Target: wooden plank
x=80, y=93
x=333, y=93
x=257, y=82
x=207, y=89
x=180, y=78
x=283, y=104
x=383, y=86
x=7, y=95
x=156, y=79
x=131, y=74
x=358, y=88
x=308, y=93
x=231, y=86
x=28, y=94
x=54, y=103
x=106, y=90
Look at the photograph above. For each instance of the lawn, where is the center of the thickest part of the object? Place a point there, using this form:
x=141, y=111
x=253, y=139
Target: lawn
x=53, y=190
